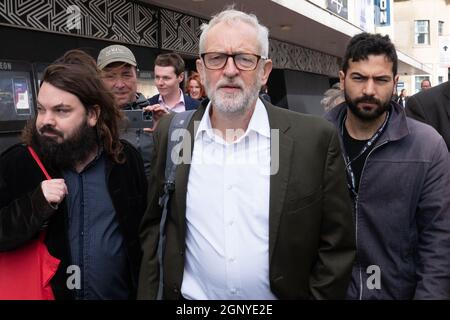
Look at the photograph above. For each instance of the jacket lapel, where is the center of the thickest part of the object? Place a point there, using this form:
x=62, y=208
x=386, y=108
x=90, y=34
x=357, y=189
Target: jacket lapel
x=279, y=180
x=182, y=175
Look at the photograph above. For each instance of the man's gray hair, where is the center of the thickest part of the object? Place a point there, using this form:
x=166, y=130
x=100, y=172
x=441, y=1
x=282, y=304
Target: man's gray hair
x=231, y=16
x=332, y=97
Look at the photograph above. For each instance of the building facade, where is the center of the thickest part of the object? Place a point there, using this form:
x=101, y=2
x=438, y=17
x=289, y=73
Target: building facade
x=307, y=42
x=422, y=30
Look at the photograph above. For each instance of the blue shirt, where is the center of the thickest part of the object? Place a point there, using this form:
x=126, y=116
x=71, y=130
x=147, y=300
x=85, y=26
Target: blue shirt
x=96, y=242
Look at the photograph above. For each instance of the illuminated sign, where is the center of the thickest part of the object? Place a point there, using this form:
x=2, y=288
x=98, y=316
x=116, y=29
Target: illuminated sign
x=6, y=66
x=382, y=13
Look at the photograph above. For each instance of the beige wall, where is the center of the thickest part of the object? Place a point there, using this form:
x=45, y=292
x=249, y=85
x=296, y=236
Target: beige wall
x=406, y=12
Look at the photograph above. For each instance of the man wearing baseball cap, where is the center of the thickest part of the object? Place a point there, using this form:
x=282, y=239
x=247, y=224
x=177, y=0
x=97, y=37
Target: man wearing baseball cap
x=119, y=74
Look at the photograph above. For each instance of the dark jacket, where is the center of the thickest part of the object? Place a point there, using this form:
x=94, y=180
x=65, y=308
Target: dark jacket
x=311, y=233
x=141, y=140
x=23, y=209
x=432, y=106
x=402, y=212
x=190, y=104
x=402, y=101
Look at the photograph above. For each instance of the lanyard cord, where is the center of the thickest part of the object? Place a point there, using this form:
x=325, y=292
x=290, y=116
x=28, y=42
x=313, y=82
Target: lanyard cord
x=351, y=181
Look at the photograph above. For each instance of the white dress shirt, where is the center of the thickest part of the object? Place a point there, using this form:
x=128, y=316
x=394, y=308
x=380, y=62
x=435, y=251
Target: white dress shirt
x=227, y=213
x=180, y=106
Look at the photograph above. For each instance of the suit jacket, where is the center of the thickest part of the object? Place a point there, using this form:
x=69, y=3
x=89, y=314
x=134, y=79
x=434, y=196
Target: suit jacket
x=190, y=104
x=311, y=233
x=432, y=106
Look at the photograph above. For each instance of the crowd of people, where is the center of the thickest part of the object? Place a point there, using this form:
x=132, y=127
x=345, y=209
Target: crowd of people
x=266, y=203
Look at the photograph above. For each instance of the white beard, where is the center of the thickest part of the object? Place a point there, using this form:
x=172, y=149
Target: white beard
x=236, y=103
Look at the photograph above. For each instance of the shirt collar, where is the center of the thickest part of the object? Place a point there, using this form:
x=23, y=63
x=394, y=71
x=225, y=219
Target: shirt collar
x=180, y=100
x=259, y=122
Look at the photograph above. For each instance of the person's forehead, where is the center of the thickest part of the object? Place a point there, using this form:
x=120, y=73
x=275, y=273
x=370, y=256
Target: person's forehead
x=118, y=67
x=376, y=64
x=232, y=37
x=166, y=70
x=50, y=96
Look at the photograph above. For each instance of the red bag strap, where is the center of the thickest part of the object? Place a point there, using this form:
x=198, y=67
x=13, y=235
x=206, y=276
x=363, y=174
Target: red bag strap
x=38, y=161
x=47, y=176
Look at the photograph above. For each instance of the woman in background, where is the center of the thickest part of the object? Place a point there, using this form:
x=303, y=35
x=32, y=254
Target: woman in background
x=194, y=87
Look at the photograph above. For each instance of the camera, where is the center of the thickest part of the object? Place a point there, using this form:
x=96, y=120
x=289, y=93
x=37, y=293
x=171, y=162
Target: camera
x=138, y=118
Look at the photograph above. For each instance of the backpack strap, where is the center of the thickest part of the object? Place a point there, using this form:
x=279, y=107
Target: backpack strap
x=179, y=121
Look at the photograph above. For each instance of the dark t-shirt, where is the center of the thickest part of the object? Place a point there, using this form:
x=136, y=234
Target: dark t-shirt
x=353, y=147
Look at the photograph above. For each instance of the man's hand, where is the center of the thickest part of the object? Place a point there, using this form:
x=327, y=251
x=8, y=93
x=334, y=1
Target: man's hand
x=54, y=191
x=158, y=112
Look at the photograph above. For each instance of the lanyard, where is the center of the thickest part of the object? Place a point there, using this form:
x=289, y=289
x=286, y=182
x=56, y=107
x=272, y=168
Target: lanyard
x=351, y=181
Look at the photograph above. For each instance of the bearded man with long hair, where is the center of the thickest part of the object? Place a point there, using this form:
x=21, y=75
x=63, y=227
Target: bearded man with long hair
x=92, y=205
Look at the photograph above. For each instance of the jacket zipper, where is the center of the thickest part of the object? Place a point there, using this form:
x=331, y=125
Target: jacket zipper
x=356, y=217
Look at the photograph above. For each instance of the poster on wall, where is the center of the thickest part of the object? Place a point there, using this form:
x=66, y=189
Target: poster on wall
x=21, y=96
x=339, y=7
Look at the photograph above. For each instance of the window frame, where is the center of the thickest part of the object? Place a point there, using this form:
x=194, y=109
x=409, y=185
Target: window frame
x=418, y=32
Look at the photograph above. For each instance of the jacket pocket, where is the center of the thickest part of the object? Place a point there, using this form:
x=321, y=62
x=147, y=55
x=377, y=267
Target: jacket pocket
x=296, y=205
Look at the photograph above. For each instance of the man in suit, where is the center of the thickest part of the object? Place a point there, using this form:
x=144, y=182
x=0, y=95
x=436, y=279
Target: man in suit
x=432, y=106
x=169, y=73
x=402, y=98
x=261, y=211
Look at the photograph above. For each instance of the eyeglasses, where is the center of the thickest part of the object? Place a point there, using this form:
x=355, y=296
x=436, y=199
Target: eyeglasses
x=242, y=61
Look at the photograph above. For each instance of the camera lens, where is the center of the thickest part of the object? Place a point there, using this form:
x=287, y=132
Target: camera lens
x=147, y=116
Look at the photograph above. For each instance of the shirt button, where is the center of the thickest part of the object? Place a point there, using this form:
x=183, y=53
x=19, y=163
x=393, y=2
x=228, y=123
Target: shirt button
x=229, y=187
x=231, y=223
x=231, y=259
x=233, y=291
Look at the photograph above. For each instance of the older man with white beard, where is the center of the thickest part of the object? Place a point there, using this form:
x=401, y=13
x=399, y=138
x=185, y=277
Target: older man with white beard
x=262, y=210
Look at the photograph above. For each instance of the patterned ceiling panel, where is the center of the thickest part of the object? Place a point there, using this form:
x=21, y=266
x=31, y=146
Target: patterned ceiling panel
x=116, y=20
x=135, y=23
x=288, y=56
x=179, y=32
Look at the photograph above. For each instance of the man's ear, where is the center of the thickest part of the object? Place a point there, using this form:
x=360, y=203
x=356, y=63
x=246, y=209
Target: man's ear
x=93, y=115
x=200, y=67
x=180, y=77
x=395, y=82
x=341, y=79
x=267, y=69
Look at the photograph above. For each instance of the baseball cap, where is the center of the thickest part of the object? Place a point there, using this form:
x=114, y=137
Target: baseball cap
x=115, y=53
